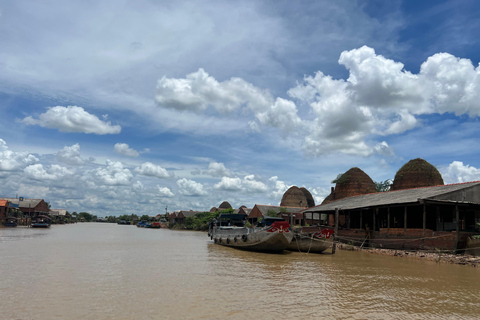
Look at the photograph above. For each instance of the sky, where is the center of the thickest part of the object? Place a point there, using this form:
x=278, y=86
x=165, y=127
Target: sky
x=117, y=107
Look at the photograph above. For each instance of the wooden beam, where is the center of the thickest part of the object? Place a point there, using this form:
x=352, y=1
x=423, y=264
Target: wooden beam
x=405, y=222
x=457, y=238
x=334, y=246
x=424, y=219
x=388, y=220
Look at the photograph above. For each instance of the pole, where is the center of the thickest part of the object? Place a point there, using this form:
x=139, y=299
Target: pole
x=388, y=220
x=334, y=246
x=457, y=238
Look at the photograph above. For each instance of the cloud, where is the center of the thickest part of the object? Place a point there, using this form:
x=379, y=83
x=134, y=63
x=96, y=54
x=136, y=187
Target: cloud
x=38, y=172
x=458, y=172
x=247, y=184
x=165, y=192
x=381, y=98
x=72, y=119
x=113, y=174
x=216, y=169
x=31, y=191
x=282, y=115
x=229, y=184
x=14, y=161
x=137, y=186
x=278, y=187
x=71, y=155
x=123, y=148
x=152, y=170
x=199, y=90
x=190, y=188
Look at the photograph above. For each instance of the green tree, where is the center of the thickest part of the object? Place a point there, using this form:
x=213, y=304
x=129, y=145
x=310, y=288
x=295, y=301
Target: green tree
x=145, y=217
x=271, y=213
x=85, y=215
x=383, y=186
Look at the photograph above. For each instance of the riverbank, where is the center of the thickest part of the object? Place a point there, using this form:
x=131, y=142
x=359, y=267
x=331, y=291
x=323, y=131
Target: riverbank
x=465, y=260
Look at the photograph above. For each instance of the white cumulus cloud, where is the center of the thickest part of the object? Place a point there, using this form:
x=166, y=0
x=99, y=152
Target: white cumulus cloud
x=217, y=169
x=458, y=172
x=38, y=172
x=152, y=170
x=199, y=90
x=229, y=184
x=113, y=174
x=247, y=184
x=14, y=161
x=165, y=192
x=123, y=148
x=72, y=119
x=71, y=155
x=189, y=187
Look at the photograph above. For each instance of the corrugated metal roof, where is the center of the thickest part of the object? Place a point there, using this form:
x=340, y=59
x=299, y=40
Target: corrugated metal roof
x=391, y=197
x=26, y=203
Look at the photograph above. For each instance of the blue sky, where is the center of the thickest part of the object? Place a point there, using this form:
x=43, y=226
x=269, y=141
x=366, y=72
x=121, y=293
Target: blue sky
x=116, y=107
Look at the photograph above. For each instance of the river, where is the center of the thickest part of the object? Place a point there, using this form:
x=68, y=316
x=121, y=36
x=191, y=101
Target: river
x=108, y=271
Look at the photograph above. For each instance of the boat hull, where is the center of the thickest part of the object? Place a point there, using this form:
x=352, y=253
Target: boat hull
x=40, y=225
x=312, y=240
x=310, y=245
x=262, y=240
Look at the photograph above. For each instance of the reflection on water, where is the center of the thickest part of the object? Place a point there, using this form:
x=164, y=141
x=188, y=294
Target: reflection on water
x=107, y=271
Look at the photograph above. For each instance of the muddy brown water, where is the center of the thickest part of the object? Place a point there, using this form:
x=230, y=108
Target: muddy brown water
x=108, y=271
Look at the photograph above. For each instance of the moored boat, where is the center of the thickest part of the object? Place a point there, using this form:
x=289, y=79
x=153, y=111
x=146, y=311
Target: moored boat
x=273, y=235
x=154, y=225
x=312, y=239
x=10, y=222
x=41, y=222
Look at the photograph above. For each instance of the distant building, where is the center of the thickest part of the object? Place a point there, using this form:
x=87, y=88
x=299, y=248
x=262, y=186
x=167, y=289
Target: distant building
x=30, y=207
x=4, y=208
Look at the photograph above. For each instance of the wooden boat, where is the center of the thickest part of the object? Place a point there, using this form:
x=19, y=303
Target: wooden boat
x=154, y=225
x=10, y=222
x=273, y=235
x=142, y=224
x=41, y=222
x=312, y=239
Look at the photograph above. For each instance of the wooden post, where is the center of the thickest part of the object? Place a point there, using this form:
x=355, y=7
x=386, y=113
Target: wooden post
x=348, y=221
x=374, y=215
x=361, y=215
x=334, y=246
x=424, y=219
x=388, y=220
x=405, y=222
x=424, y=224
x=457, y=238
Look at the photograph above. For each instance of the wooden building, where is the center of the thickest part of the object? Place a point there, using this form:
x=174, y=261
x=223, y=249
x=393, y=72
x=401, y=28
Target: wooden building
x=29, y=207
x=183, y=214
x=4, y=208
x=441, y=217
